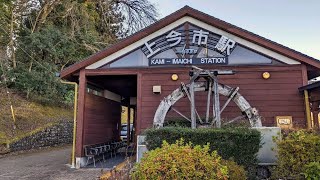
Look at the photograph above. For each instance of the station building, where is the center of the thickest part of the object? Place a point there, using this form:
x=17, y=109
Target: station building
x=141, y=70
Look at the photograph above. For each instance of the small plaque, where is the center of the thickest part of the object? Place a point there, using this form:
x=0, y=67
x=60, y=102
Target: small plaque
x=284, y=122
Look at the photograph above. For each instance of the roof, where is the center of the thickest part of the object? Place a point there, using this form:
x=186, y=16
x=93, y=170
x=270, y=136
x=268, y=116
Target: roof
x=310, y=86
x=188, y=11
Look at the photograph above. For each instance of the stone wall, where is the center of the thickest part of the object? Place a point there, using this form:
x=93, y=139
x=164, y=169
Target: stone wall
x=60, y=133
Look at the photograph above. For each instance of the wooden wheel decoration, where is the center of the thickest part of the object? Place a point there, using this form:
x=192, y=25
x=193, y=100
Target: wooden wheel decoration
x=214, y=89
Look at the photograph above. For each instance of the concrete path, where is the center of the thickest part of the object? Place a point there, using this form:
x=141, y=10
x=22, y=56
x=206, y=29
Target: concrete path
x=45, y=164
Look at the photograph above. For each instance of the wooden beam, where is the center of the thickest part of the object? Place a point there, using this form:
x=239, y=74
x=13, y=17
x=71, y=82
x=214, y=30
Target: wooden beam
x=139, y=105
x=304, y=75
x=81, y=113
x=170, y=70
x=101, y=72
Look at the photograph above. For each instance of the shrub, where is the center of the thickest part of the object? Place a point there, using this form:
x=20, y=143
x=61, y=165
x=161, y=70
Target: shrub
x=235, y=172
x=296, y=151
x=239, y=144
x=175, y=122
x=312, y=171
x=180, y=161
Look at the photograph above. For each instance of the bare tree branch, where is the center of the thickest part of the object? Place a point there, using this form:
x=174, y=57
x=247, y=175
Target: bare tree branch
x=137, y=13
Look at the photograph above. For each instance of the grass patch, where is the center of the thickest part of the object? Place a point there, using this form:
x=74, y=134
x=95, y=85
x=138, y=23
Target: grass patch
x=30, y=116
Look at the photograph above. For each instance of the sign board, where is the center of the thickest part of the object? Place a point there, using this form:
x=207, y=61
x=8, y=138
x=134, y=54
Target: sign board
x=284, y=122
x=188, y=61
x=187, y=44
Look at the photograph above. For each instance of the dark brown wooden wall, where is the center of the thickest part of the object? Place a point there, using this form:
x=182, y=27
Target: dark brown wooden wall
x=101, y=119
x=277, y=96
x=315, y=94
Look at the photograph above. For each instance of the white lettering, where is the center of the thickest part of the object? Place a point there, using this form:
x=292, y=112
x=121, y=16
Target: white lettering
x=202, y=37
x=157, y=61
x=219, y=60
x=182, y=61
x=149, y=47
x=225, y=44
x=174, y=36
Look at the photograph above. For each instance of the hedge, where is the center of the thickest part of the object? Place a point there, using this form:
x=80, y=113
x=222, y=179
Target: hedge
x=238, y=144
x=296, y=153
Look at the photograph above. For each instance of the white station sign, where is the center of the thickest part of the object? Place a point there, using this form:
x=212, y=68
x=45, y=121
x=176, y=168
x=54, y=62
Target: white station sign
x=199, y=38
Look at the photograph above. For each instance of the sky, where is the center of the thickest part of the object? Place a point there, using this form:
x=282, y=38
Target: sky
x=292, y=23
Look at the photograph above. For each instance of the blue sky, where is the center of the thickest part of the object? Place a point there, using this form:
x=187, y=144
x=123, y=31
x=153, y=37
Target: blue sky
x=293, y=23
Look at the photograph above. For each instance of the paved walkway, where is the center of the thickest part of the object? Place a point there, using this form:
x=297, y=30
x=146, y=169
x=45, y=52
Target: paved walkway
x=45, y=164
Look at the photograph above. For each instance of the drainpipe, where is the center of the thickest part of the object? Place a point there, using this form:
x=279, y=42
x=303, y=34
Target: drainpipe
x=74, y=120
x=308, y=113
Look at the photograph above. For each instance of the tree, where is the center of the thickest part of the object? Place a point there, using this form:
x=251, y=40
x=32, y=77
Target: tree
x=137, y=13
x=53, y=34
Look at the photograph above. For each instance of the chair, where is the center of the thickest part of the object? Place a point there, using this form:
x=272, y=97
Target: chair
x=90, y=153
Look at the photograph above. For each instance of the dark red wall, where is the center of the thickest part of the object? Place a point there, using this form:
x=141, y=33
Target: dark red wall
x=101, y=119
x=277, y=96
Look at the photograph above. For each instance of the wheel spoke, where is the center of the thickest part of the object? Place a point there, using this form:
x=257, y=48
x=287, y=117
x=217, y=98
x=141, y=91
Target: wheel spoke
x=178, y=112
x=229, y=99
x=216, y=106
x=189, y=97
x=208, y=102
x=235, y=119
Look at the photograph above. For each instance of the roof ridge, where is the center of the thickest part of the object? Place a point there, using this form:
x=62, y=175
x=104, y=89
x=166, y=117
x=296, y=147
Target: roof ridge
x=285, y=46
x=201, y=16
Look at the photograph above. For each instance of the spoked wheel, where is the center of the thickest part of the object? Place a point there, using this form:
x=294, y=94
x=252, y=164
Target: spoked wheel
x=214, y=89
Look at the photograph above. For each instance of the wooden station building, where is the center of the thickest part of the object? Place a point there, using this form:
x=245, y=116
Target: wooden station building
x=141, y=70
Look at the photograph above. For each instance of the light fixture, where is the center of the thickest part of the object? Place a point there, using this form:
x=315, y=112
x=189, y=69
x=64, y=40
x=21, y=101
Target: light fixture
x=174, y=77
x=156, y=89
x=266, y=75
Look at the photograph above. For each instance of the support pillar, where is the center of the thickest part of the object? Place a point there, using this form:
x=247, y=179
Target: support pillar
x=193, y=111
x=217, y=118
x=128, y=123
x=80, y=116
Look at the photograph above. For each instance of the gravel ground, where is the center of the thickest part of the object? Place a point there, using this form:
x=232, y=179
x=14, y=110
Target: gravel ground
x=49, y=164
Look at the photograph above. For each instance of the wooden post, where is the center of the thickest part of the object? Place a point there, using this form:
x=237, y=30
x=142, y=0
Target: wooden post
x=306, y=95
x=135, y=124
x=81, y=113
x=213, y=109
x=193, y=113
x=216, y=102
x=208, y=101
x=315, y=120
x=139, y=104
x=128, y=123
x=315, y=112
